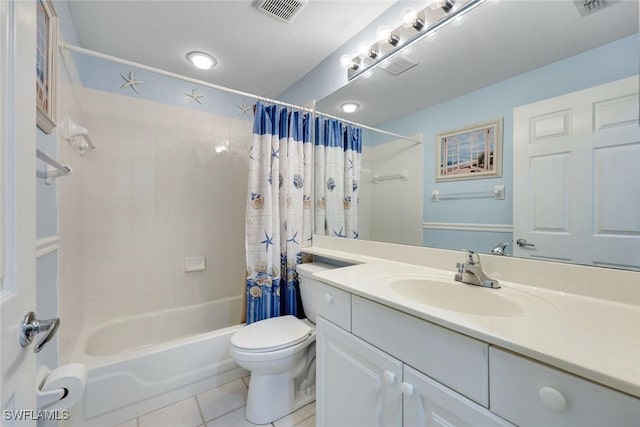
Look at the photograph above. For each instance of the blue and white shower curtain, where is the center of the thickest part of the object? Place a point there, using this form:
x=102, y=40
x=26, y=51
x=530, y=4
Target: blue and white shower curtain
x=338, y=160
x=278, y=221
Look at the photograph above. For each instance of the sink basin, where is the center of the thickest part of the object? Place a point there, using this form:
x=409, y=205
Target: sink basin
x=454, y=296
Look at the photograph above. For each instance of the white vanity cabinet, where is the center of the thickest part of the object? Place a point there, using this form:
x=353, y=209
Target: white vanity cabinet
x=427, y=403
x=357, y=384
x=531, y=394
x=360, y=385
x=382, y=367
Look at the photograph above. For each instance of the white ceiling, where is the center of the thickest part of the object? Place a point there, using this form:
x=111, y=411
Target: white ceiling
x=497, y=40
x=255, y=52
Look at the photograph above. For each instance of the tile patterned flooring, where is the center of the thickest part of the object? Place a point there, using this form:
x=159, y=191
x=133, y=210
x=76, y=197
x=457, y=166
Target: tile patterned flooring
x=220, y=407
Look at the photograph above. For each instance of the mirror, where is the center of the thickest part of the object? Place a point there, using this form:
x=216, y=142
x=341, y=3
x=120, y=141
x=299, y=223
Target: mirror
x=503, y=56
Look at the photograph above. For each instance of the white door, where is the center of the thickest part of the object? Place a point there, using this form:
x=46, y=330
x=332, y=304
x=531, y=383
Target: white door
x=427, y=403
x=577, y=177
x=17, y=180
x=357, y=384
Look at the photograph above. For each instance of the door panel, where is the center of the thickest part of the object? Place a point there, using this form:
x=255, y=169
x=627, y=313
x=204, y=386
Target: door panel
x=431, y=404
x=576, y=177
x=17, y=168
x=358, y=385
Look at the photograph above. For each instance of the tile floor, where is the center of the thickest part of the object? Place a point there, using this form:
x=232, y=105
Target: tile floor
x=220, y=407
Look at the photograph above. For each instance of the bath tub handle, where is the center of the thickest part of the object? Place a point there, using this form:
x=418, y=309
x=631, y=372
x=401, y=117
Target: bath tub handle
x=31, y=326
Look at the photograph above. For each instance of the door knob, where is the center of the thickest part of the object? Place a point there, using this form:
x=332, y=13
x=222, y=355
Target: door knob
x=31, y=326
x=523, y=243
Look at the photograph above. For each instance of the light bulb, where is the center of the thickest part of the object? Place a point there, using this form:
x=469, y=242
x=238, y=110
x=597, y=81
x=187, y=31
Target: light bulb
x=349, y=107
x=409, y=16
x=383, y=34
x=201, y=60
x=363, y=50
x=411, y=19
x=386, y=36
x=346, y=61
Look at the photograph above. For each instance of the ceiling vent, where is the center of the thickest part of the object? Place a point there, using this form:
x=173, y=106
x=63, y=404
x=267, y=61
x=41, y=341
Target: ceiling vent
x=589, y=7
x=284, y=10
x=398, y=64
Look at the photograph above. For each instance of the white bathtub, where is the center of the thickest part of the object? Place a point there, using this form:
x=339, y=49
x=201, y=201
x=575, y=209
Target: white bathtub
x=140, y=363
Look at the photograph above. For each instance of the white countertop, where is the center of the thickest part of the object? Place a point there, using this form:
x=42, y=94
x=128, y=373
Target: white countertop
x=593, y=338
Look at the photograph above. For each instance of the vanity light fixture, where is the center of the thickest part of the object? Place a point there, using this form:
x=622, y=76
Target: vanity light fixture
x=349, y=107
x=348, y=63
x=202, y=60
x=447, y=5
x=386, y=35
x=416, y=25
x=411, y=19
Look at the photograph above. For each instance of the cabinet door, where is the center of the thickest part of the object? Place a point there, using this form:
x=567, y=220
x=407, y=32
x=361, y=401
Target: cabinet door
x=427, y=403
x=357, y=384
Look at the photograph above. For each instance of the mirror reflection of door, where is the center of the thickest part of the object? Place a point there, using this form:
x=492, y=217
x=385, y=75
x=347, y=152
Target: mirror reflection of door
x=576, y=155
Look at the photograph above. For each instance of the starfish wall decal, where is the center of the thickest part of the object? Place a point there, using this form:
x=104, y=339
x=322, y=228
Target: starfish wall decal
x=130, y=82
x=195, y=96
x=244, y=108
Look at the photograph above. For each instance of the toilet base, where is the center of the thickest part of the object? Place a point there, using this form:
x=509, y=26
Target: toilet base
x=273, y=396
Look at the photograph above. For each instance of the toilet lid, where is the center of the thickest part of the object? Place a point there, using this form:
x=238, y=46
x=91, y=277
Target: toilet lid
x=271, y=334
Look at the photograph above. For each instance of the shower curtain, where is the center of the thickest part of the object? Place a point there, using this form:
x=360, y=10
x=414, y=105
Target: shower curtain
x=278, y=223
x=338, y=159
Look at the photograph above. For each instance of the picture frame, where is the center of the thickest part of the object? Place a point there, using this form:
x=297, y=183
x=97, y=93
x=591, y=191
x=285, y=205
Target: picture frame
x=473, y=152
x=46, y=65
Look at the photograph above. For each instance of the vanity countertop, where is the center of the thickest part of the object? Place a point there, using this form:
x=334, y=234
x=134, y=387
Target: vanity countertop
x=593, y=338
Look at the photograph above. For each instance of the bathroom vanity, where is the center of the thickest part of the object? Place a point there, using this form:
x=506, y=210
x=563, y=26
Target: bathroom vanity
x=402, y=344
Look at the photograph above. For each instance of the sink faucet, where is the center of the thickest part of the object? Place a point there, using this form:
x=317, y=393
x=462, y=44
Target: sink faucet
x=470, y=272
x=500, y=248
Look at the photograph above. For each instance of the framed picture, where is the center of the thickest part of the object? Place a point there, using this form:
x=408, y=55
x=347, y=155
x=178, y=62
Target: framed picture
x=46, y=58
x=470, y=153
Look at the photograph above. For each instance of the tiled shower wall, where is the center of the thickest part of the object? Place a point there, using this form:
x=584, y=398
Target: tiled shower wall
x=70, y=220
x=154, y=192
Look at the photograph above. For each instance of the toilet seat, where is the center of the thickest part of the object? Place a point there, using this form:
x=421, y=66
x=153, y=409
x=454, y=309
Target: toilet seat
x=272, y=334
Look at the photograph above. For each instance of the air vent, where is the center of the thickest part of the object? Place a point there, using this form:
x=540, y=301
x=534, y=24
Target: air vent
x=398, y=64
x=589, y=7
x=284, y=10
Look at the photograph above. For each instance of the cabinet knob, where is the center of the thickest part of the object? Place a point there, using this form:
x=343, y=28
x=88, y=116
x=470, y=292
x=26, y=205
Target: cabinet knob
x=328, y=298
x=552, y=398
x=389, y=377
x=407, y=389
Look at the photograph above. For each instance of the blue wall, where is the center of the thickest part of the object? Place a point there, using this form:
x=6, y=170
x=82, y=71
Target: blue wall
x=104, y=75
x=607, y=63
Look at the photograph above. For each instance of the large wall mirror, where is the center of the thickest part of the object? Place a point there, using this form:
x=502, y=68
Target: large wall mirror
x=563, y=86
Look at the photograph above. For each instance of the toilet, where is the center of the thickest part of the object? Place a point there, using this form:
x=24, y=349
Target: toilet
x=280, y=353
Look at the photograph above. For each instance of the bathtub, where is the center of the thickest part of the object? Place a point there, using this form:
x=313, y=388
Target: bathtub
x=141, y=363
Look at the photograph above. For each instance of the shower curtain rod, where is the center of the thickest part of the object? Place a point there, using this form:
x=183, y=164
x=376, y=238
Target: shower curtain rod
x=89, y=52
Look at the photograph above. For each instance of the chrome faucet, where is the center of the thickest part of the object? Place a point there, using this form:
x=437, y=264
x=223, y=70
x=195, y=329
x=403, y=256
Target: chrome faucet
x=470, y=272
x=500, y=248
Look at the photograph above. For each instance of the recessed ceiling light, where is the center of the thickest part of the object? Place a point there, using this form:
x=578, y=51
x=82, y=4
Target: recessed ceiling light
x=202, y=60
x=349, y=107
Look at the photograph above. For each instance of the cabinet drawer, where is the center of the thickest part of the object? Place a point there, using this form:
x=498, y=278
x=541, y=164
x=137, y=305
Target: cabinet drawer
x=528, y=393
x=457, y=361
x=334, y=305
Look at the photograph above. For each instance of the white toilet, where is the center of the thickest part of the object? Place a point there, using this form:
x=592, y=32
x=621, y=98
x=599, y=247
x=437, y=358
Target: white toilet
x=280, y=353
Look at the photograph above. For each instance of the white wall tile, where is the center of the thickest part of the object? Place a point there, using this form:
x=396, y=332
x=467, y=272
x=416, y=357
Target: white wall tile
x=155, y=191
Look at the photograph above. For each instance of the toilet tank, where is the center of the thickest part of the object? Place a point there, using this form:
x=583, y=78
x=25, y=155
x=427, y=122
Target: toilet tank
x=308, y=286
